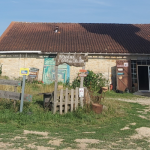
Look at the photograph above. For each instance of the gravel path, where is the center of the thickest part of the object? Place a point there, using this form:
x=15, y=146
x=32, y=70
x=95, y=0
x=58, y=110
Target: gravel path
x=142, y=100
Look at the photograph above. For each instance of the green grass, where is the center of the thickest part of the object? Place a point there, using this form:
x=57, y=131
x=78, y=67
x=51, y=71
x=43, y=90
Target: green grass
x=104, y=127
x=113, y=94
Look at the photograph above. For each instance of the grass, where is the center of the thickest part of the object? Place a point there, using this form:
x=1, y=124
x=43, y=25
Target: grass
x=112, y=94
x=80, y=124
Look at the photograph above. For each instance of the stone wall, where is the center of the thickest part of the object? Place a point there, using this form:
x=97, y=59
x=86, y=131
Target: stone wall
x=105, y=66
x=11, y=66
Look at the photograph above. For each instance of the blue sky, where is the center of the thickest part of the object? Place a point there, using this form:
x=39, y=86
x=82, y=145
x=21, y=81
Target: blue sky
x=76, y=11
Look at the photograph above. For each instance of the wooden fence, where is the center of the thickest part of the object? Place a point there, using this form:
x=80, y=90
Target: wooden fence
x=67, y=100
x=13, y=95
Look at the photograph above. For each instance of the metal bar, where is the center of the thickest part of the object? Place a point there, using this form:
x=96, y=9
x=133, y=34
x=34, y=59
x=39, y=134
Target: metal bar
x=22, y=94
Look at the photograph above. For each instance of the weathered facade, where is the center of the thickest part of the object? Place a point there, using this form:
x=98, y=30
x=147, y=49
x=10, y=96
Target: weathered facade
x=11, y=66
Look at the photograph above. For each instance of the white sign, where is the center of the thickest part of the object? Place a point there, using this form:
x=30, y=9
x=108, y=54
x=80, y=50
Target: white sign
x=120, y=69
x=81, y=92
x=82, y=75
x=126, y=64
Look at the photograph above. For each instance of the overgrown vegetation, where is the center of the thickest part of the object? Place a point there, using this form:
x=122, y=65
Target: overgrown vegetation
x=36, y=114
x=93, y=81
x=80, y=124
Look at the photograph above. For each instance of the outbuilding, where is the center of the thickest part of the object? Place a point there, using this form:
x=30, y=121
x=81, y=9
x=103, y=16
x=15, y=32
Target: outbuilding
x=121, y=52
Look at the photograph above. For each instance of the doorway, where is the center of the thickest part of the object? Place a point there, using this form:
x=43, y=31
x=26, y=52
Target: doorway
x=49, y=71
x=143, y=78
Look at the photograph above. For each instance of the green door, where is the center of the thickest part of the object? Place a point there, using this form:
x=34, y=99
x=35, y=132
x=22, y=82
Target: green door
x=49, y=71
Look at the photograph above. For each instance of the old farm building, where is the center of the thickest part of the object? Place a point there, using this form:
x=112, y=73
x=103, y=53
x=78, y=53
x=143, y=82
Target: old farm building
x=120, y=51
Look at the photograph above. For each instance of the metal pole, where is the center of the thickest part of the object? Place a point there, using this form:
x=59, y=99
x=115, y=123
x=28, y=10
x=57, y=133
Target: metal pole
x=22, y=93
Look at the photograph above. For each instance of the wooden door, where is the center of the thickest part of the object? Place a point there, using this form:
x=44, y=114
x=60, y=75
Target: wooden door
x=123, y=74
x=49, y=71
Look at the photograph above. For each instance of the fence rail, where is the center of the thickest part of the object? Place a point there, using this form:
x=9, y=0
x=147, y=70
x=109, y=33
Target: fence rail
x=13, y=95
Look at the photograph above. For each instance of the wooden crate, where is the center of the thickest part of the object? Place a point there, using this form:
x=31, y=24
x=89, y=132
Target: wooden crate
x=67, y=100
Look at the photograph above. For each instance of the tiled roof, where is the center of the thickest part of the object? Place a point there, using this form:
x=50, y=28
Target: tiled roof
x=77, y=37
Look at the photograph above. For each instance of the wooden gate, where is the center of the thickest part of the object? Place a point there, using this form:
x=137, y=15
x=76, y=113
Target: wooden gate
x=123, y=74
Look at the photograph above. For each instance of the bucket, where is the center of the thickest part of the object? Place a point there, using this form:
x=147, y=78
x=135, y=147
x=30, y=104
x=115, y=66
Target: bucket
x=97, y=108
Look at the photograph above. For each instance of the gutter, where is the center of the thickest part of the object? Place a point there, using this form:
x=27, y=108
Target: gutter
x=103, y=54
x=12, y=52
x=100, y=54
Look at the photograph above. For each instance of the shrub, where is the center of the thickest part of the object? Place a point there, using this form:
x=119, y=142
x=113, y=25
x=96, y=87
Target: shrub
x=76, y=82
x=93, y=81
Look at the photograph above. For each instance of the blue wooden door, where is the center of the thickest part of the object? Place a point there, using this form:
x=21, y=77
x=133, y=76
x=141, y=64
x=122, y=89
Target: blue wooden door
x=49, y=71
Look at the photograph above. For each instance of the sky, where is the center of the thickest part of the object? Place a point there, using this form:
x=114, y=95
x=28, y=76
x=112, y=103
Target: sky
x=74, y=11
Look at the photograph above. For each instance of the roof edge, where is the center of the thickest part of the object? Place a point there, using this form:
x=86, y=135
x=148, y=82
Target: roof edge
x=7, y=30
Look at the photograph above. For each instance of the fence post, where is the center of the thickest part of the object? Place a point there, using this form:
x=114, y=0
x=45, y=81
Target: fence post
x=55, y=90
x=72, y=97
x=76, y=100
x=61, y=99
x=15, y=90
x=81, y=86
x=66, y=101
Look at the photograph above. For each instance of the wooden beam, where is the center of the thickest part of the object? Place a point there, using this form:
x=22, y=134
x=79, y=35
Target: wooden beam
x=55, y=89
x=76, y=98
x=72, y=99
x=15, y=96
x=61, y=99
x=11, y=82
x=66, y=101
x=81, y=86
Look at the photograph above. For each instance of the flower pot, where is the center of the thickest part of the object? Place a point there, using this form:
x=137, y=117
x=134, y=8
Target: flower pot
x=97, y=108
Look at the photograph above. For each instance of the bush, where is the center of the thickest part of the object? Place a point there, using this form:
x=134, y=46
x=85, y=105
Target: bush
x=93, y=81
x=76, y=83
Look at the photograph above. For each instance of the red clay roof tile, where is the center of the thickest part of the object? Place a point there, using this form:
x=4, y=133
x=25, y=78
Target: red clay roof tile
x=77, y=37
